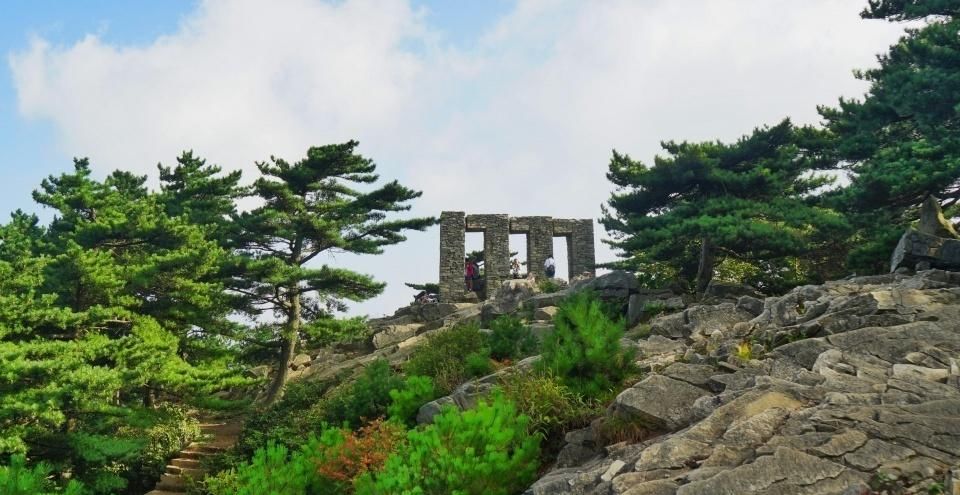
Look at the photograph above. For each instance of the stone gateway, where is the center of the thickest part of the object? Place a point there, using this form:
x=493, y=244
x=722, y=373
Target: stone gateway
x=496, y=229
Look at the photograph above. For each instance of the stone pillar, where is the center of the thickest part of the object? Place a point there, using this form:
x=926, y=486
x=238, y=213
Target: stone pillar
x=496, y=247
x=580, y=248
x=452, y=251
x=539, y=232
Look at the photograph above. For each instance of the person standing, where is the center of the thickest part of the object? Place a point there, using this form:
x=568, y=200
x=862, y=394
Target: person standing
x=468, y=273
x=549, y=266
x=515, y=268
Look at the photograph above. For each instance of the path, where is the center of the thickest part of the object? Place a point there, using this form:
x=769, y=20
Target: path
x=221, y=436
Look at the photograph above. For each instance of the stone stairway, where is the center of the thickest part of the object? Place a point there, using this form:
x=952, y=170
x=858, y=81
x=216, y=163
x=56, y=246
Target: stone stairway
x=217, y=438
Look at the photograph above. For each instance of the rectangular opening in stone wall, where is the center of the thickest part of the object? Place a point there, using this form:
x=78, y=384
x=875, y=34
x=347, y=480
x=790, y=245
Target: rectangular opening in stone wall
x=518, y=251
x=561, y=257
x=473, y=247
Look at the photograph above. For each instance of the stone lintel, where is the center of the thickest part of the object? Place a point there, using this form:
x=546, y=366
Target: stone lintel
x=563, y=227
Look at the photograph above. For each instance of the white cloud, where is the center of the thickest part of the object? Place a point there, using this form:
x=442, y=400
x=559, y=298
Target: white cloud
x=522, y=121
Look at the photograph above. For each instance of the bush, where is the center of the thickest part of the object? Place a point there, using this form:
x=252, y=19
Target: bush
x=272, y=470
x=552, y=407
x=327, y=331
x=549, y=285
x=478, y=364
x=286, y=421
x=443, y=356
x=307, y=405
x=328, y=463
x=164, y=439
x=406, y=401
x=344, y=455
x=511, y=339
x=483, y=451
x=18, y=479
x=364, y=399
x=584, y=349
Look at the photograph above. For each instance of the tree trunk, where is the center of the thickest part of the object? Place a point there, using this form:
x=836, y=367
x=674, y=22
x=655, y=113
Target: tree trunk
x=288, y=346
x=705, y=270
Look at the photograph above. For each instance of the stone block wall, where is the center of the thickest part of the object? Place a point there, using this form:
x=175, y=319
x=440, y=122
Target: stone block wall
x=453, y=232
x=539, y=232
x=496, y=246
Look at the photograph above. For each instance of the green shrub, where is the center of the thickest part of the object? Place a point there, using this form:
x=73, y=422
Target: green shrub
x=548, y=285
x=443, y=356
x=406, y=401
x=286, y=421
x=164, y=439
x=327, y=331
x=18, y=479
x=307, y=405
x=362, y=400
x=478, y=364
x=483, y=451
x=511, y=339
x=584, y=349
x=271, y=471
x=553, y=408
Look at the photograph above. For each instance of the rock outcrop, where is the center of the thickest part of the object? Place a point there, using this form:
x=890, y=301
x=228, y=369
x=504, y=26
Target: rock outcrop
x=850, y=387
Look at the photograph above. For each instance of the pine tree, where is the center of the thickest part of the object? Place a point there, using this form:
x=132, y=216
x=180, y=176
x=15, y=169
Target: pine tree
x=310, y=208
x=901, y=141
x=749, y=201
x=96, y=310
x=203, y=193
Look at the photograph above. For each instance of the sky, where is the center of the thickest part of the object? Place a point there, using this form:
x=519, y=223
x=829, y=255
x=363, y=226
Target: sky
x=492, y=106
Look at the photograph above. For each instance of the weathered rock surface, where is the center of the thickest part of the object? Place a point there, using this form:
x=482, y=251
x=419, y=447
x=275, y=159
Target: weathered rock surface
x=846, y=380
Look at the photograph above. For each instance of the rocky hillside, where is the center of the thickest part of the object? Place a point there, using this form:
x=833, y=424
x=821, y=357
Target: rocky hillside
x=850, y=387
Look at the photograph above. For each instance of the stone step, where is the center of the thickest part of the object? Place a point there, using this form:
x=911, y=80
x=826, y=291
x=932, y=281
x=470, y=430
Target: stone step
x=186, y=463
x=205, y=447
x=172, y=483
x=188, y=472
x=194, y=454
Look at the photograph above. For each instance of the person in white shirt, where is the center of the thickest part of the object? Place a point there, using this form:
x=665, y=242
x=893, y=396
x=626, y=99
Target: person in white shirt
x=549, y=267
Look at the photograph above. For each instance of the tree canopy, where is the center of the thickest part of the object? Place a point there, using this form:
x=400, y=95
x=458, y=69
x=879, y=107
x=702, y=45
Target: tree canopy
x=901, y=142
x=748, y=201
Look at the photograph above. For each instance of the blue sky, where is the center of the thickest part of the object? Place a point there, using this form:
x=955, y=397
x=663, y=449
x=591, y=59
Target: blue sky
x=29, y=150
x=489, y=106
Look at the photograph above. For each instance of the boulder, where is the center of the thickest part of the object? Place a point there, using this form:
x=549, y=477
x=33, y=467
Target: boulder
x=673, y=326
x=661, y=403
x=546, y=313
x=704, y=320
x=694, y=374
x=616, y=285
x=300, y=361
x=911, y=371
x=721, y=291
x=933, y=222
x=926, y=251
x=786, y=471
x=657, y=344
x=394, y=334
x=750, y=304
x=435, y=310
x=507, y=299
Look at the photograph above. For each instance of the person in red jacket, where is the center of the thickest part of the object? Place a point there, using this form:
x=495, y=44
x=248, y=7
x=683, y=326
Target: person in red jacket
x=469, y=273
